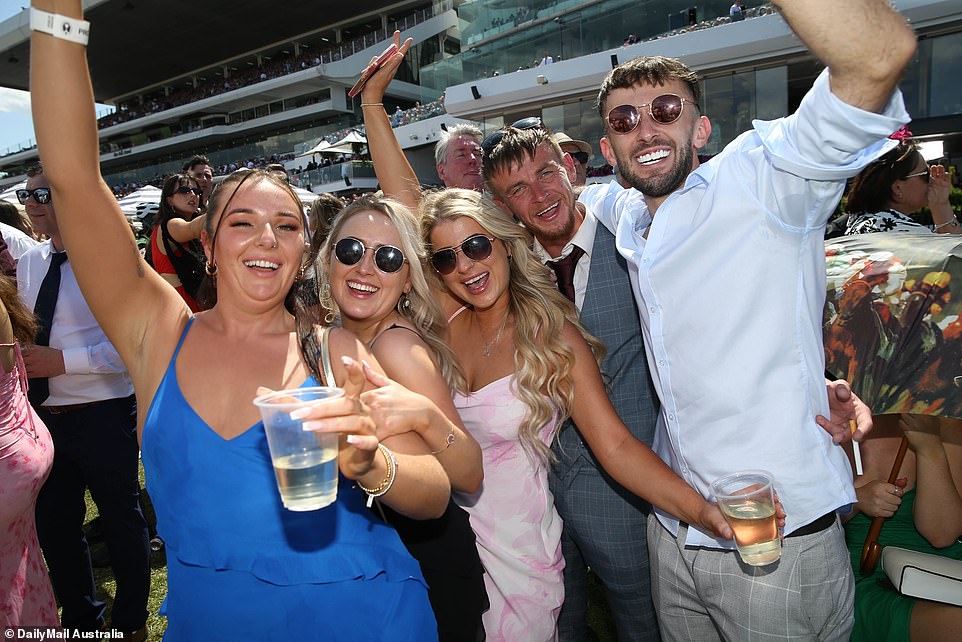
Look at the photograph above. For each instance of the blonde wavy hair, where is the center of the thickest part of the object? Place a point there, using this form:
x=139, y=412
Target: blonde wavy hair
x=419, y=306
x=543, y=361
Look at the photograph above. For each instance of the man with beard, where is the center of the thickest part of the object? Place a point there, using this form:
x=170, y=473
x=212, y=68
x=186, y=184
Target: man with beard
x=530, y=176
x=727, y=264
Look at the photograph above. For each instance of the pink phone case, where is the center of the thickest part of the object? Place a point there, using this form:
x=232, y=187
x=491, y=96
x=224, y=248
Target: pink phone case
x=369, y=71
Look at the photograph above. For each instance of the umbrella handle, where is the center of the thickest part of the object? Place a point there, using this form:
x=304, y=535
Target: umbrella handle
x=872, y=550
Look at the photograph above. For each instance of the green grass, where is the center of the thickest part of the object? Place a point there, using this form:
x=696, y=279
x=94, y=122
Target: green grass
x=599, y=616
x=104, y=577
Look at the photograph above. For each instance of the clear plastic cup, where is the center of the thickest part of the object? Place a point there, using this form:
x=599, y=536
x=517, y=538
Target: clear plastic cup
x=305, y=463
x=748, y=502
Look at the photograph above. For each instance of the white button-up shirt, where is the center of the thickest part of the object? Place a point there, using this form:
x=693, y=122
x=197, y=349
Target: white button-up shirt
x=585, y=239
x=730, y=284
x=94, y=370
x=17, y=242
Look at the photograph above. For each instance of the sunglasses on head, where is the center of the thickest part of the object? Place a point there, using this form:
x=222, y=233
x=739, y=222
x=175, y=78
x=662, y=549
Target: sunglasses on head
x=489, y=143
x=476, y=248
x=926, y=173
x=184, y=189
x=387, y=258
x=581, y=157
x=664, y=109
x=40, y=194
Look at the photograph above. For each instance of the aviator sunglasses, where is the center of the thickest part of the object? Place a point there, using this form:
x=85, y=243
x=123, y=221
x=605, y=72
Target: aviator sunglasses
x=40, y=194
x=387, y=258
x=476, y=248
x=664, y=109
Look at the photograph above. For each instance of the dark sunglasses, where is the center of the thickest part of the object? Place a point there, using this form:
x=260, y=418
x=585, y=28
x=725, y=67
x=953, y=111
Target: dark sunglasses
x=926, y=173
x=183, y=189
x=476, y=248
x=40, y=194
x=489, y=143
x=664, y=109
x=387, y=258
x=581, y=157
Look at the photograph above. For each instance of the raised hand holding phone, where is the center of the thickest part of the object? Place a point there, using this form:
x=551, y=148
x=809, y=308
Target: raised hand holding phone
x=380, y=71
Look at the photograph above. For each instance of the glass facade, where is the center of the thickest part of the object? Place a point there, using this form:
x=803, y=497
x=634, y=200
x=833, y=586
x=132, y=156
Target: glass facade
x=501, y=37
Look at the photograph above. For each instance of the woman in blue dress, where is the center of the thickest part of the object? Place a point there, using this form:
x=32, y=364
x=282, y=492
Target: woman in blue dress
x=240, y=566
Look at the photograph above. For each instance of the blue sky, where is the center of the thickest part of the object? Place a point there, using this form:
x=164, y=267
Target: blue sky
x=16, y=124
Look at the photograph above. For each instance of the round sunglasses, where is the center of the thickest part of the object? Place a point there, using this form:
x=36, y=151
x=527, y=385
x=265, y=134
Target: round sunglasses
x=664, y=109
x=387, y=258
x=476, y=248
x=40, y=194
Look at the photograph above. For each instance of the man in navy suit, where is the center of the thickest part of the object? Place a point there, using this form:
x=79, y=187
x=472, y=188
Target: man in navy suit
x=604, y=524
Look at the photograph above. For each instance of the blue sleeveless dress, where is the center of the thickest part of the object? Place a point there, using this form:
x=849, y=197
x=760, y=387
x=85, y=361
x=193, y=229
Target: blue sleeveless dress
x=242, y=567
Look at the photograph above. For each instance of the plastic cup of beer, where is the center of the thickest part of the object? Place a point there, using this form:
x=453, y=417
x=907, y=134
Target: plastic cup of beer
x=305, y=463
x=747, y=501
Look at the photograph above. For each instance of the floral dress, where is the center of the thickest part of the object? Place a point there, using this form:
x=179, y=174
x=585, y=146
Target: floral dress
x=26, y=455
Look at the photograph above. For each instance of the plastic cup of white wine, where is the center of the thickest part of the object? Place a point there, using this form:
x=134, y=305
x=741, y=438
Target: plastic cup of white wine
x=747, y=501
x=305, y=463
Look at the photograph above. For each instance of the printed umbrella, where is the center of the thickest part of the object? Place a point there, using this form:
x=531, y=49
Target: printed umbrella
x=893, y=329
x=892, y=320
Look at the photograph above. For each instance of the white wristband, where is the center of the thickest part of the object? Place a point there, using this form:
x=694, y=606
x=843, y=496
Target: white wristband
x=60, y=26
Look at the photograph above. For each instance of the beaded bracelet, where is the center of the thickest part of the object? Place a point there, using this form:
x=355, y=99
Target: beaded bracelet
x=372, y=104
x=388, y=480
x=58, y=26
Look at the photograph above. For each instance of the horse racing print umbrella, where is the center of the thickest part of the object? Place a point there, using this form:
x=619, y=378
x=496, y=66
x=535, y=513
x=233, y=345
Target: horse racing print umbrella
x=892, y=320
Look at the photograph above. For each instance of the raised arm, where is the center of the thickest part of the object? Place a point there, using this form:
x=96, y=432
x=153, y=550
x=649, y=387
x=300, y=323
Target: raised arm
x=396, y=176
x=866, y=45
x=121, y=290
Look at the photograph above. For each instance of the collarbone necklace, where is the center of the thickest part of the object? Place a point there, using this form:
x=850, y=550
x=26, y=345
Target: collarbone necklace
x=488, y=347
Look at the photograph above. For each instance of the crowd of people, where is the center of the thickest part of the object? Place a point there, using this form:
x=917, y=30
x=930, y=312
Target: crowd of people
x=526, y=393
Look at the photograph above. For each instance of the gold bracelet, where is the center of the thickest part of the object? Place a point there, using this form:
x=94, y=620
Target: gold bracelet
x=372, y=104
x=389, y=477
x=448, y=442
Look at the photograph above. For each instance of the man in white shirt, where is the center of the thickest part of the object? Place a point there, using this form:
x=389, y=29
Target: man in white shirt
x=17, y=242
x=80, y=388
x=730, y=282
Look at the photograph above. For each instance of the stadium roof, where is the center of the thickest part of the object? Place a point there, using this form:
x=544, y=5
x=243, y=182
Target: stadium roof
x=151, y=41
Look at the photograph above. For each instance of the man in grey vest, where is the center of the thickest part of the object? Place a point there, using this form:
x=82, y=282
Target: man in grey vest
x=529, y=175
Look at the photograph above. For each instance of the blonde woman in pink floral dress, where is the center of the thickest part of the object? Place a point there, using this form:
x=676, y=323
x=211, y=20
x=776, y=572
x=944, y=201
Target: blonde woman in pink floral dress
x=26, y=454
x=527, y=364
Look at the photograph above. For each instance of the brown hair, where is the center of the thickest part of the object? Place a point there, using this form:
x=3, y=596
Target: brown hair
x=21, y=319
x=647, y=70
x=321, y=213
x=10, y=215
x=872, y=187
x=515, y=147
x=301, y=299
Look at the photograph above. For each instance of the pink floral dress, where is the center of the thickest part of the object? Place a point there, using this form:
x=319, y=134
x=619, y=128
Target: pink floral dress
x=26, y=454
x=513, y=516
